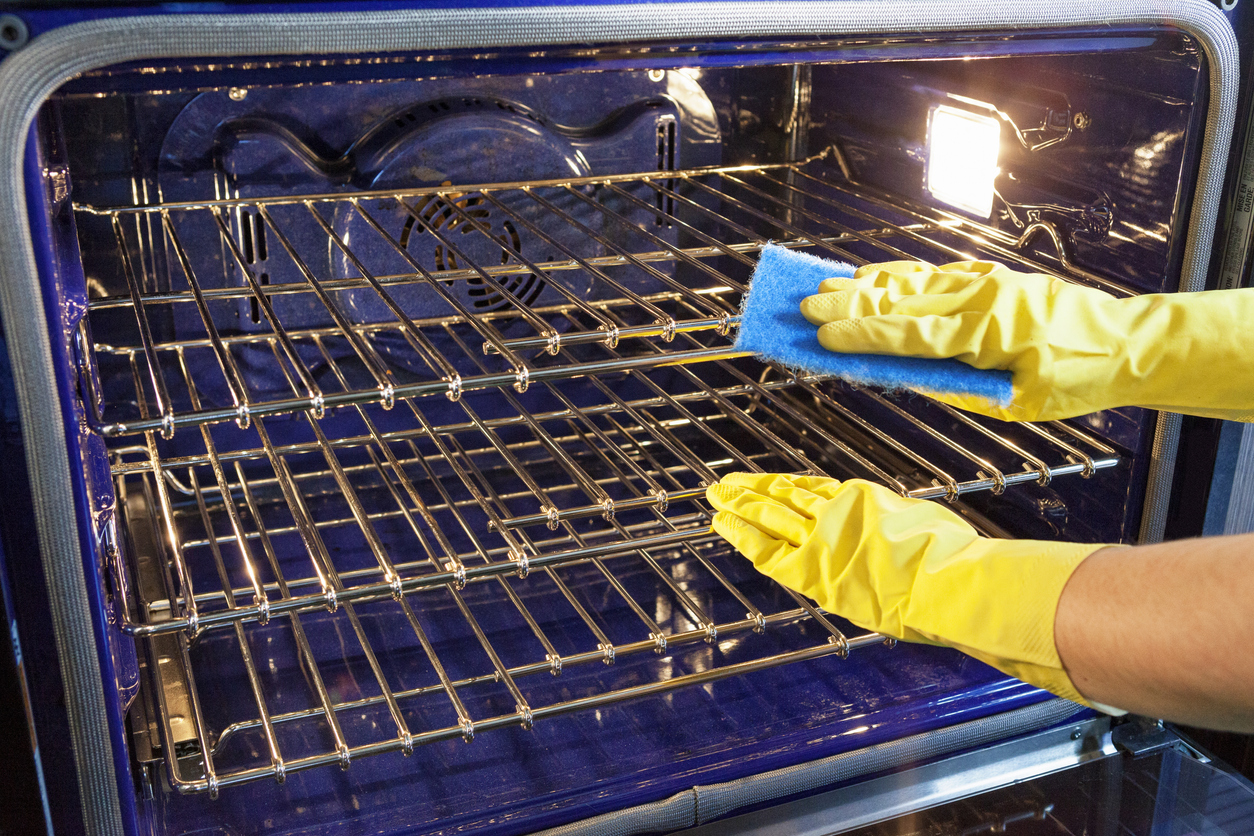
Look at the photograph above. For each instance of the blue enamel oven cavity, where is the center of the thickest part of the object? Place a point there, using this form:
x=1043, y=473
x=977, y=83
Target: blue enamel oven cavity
x=336, y=177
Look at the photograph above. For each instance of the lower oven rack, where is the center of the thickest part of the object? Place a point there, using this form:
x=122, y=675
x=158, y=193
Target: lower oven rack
x=326, y=563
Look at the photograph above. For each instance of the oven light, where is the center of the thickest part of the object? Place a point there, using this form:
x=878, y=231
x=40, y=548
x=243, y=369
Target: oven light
x=962, y=152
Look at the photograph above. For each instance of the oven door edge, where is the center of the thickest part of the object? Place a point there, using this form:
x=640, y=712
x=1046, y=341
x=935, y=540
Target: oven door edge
x=29, y=76
x=1048, y=737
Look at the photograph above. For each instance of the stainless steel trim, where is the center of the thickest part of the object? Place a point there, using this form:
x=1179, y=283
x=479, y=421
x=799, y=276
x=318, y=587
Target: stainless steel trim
x=701, y=809
x=951, y=779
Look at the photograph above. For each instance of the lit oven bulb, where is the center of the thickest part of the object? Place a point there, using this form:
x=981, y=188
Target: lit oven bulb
x=962, y=151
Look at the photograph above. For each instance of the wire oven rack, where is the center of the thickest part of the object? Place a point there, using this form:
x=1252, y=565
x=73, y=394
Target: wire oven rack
x=379, y=568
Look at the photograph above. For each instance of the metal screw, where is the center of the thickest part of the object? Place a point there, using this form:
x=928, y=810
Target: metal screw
x=1081, y=121
x=13, y=32
x=1076, y=734
x=238, y=94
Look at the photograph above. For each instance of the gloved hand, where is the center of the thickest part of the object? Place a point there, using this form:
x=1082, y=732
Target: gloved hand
x=907, y=568
x=1072, y=349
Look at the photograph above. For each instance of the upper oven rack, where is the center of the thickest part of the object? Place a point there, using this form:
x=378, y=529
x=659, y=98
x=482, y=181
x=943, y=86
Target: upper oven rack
x=184, y=301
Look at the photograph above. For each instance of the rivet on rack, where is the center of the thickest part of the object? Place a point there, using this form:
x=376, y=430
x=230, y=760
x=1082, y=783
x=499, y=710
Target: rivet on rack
x=528, y=721
x=668, y=329
x=280, y=771
x=659, y=643
x=468, y=730
x=608, y=650
x=611, y=336
x=520, y=385
x=454, y=392
x=407, y=744
x=346, y=759
x=842, y=643
x=389, y=396
x=555, y=663
x=663, y=500
x=242, y=416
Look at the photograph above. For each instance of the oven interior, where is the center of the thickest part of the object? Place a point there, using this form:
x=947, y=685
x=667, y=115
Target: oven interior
x=402, y=383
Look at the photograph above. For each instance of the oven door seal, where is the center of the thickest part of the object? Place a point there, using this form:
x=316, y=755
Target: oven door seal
x=29, y=76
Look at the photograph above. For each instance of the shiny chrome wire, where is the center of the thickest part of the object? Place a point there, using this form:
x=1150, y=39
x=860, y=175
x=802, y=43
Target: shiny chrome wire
x=603, y=484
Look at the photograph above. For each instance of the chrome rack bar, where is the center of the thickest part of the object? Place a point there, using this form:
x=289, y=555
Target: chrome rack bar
x=573, y=298
x=661, y=319
x=374, y=364
x=164, y=406
x=321, y=402
x=124, y=468
x=634, y=648
x=545, y=712
x=428, y=352
x=485, y=329
x=239, y=391
x=792, y=230
x=996, y=241
x=792, y=207
x=307, y=657
x=397, y=194
x=650, y=270
x=453, y=275
x=313, y=393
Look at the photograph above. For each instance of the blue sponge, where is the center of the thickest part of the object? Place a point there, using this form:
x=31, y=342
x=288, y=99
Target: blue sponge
x=772, y=326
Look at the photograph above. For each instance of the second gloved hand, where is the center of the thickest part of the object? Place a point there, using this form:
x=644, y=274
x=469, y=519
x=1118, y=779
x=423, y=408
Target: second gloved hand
x=907, y=568
x=1072, y=349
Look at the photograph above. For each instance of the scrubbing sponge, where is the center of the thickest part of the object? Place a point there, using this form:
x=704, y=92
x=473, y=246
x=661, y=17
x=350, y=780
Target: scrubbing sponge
x=771, y=325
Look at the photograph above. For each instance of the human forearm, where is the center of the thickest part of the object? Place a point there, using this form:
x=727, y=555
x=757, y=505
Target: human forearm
x=1165, y=630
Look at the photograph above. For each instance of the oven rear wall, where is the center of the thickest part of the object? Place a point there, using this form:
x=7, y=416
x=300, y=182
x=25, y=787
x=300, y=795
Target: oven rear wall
x=673, y=173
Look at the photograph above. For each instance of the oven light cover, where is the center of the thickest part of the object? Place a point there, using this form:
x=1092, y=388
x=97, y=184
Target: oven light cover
x=962, y=153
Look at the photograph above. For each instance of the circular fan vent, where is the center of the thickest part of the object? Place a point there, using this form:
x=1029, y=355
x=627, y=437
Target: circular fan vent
x=438, y=213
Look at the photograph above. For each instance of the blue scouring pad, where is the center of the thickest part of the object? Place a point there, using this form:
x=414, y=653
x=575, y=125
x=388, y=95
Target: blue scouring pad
x=772, y=326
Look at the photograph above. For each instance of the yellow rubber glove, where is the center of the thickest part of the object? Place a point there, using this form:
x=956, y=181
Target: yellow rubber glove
x=907, y=568
x=1071, y=349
